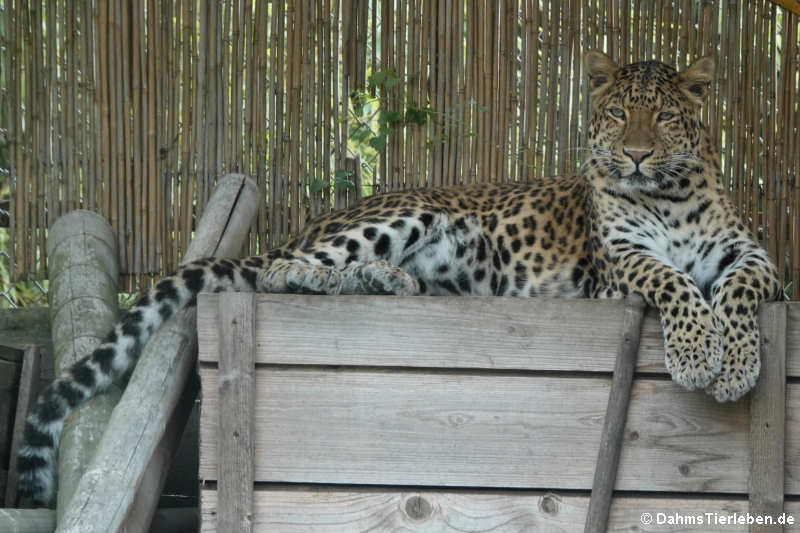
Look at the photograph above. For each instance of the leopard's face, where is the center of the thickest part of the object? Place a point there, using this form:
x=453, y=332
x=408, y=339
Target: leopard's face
x=644, y=126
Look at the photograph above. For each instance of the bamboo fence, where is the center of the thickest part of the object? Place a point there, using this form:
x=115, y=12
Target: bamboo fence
x=134, y=108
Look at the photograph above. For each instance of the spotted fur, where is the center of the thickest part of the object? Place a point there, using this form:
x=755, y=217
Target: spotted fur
x=648, y=215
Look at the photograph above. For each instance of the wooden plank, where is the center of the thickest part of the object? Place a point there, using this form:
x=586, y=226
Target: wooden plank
x=28, y=382
x=768, y=421
x=237, y=412
x=10, y=370
x=457, y=429
x=611, y=439
x=109, y=490
x=792, y=336
x=491, y=333
x=351, y=510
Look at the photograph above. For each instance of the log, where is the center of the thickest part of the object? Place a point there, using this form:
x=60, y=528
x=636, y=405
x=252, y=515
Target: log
x=27, y=520
x=44, y=520
x=83, y=308
x=122, y=475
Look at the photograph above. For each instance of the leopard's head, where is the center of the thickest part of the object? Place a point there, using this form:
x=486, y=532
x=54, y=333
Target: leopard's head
x=645, y=130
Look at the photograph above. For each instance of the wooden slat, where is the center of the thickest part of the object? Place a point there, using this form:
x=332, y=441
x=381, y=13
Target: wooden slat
x=611, y=439
x=236, y=413
x=768, y=421
x=492, y=333
x=28, y=385
x=346, y=510
x=445, y=428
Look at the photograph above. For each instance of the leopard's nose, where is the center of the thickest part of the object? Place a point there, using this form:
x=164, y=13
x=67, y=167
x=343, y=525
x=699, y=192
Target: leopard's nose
x=637, y=156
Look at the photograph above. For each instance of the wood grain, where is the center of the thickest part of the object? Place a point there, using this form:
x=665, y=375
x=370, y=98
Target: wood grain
x=346, y=510
x=236, y=413
x=487, y=333
x=28, y=381
x=768, y=421
x=125, y=473
x=82, y=264
x=451, y=429
x=611, y=439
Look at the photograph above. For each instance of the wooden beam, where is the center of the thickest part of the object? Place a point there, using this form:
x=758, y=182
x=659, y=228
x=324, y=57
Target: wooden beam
x=28, y=388
x=236, y=414
x=107, y=492
x=605, y=472
x=768, y=422
x=791, y=5
x=82, y=265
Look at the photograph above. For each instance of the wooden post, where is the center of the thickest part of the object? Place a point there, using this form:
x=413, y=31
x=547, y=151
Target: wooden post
x=28, y=381
x=605, y=474
x=127, y=472
x=82, y=266
x=768, y=421
x=237, y=367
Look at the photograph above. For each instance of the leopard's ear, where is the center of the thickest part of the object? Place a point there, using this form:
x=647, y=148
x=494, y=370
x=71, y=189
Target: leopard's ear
x=600, y=69
x=697, y=78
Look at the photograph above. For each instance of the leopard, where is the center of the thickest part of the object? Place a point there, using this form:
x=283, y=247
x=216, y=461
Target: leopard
x=647, y=214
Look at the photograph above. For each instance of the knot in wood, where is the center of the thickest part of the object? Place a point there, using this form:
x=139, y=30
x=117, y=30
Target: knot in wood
x=549, y=505
x=418, y=508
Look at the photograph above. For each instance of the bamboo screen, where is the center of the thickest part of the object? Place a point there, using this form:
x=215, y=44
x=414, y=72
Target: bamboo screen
x=134, y=107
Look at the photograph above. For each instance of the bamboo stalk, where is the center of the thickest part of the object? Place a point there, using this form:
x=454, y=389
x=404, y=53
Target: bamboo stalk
x=138, y=102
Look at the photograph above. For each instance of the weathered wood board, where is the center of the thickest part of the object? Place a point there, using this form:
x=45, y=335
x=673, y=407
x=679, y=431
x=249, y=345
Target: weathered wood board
x=320, y=510
x=489, y=333
x=359, y=397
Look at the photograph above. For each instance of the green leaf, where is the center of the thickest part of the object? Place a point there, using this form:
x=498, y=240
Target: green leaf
x=346, y=183
x=418, y=115
x=378, y=143
x=389, y=119
x=378, y=78
x=385, y=78
x=360, y=134
x=342, y=174
x=392, y=82
x=318, y=185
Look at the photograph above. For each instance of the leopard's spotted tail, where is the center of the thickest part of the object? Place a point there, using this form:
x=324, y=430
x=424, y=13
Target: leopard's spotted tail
x=119, y=352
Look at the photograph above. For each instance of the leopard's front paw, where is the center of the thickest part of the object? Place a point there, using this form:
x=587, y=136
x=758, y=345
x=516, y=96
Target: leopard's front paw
x=741, y=365
x=296, y=277
x=693, y=350
x=378, y=277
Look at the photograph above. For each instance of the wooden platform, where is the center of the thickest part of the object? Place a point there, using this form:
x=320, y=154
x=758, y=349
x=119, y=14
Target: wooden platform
x=462, y=414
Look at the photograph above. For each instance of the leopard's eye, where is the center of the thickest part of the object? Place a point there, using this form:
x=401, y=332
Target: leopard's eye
x=617, y=112
x=665, y=116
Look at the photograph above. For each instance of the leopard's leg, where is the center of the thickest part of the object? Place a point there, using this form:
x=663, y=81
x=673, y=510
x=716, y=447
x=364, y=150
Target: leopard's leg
x=747, y=279
x=692, y=333
x=373, y=277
